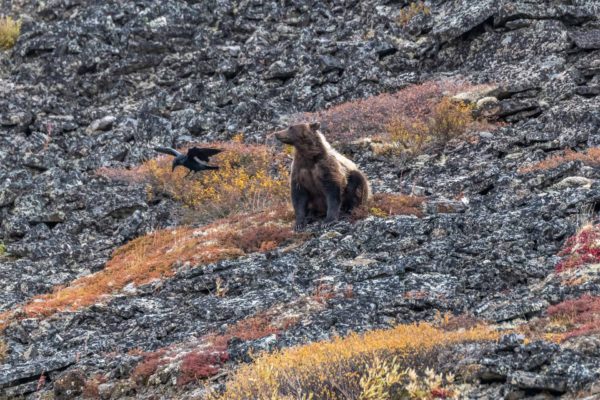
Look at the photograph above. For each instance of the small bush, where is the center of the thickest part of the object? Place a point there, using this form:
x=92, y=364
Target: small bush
x=589, y=157
x=388, y=204
x=90, y=389
x=148, y=366
x=9, y=32
x=201, y=364
x=581, y=249
x=449, y=119
x=3, y=350
x=2, y=249
x=408, y=13
x=355, y=367
x=580, y=316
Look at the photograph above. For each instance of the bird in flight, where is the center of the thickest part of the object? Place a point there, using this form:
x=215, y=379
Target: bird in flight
x=195, y=160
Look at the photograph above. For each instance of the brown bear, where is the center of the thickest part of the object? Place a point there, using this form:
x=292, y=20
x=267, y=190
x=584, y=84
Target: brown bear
x=324, y=183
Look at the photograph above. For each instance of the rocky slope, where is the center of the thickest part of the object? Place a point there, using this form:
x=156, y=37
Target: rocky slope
x=94, y=84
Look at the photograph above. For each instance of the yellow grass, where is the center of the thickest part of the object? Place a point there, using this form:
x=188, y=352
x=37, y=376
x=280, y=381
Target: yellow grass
x=9, y=32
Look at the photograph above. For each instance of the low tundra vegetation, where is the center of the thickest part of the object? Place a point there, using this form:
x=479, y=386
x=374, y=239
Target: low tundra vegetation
x=381, y=364
x=9, y=32
x=251, y=178
x=579, y=317
x=580, y=249
x=407, y=122
x=590, y=157
x=157, y=254
x=388, y=204
x=414, y=9
x=3, y=350
x=207, y=358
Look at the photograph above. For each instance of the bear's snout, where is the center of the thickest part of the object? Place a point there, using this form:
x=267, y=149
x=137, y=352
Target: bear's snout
x=283, y=136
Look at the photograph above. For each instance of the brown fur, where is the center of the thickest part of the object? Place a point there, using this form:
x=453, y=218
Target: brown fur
x=324, y=183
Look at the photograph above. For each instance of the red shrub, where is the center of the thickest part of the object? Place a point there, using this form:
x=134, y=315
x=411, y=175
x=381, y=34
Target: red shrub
x=370, y=116
x=148, y=367
x=201, y=364
x=441, y=393
x=581, y=314
x=582, y=248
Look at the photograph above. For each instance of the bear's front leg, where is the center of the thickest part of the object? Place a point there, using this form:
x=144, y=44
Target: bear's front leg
x=300, y=203
x=333, y=196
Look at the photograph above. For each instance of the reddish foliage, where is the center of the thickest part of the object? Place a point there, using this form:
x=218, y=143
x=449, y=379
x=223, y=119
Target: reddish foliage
x=580, y=249
x=253, y=328
x=370, y=116
x=201, y=364
x=323, y=293
x=589, y=157
x=208, y=359
x=148, y=367
x=440, y=393
x=582, y=313
x=398, y=204
x=261, y=238
x=90, y=389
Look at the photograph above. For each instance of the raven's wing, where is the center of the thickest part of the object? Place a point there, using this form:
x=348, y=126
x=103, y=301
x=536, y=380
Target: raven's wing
x=168, y=150
x=202, y=154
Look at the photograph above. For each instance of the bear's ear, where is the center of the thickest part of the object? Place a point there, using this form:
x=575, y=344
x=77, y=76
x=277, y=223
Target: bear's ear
x=315, y=126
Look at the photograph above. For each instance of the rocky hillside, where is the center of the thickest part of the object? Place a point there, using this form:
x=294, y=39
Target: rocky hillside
x=92, y=85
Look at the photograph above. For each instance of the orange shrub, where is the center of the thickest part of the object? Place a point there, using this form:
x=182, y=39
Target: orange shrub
x=153, y=256
x=589, y=157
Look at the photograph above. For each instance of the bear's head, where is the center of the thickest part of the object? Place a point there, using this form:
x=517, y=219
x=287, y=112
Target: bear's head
x=304, y=137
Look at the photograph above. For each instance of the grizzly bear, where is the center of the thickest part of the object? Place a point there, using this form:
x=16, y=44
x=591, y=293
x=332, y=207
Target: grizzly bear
x=324, y=183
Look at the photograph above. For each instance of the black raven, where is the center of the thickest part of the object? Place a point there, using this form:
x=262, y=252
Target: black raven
x=195, y=160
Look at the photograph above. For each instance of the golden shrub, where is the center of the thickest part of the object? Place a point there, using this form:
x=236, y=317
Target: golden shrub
x=9, y=32
x=3, y=350
x=408, y=13
x=448, y=119
x=354, y=367
x=250, y=178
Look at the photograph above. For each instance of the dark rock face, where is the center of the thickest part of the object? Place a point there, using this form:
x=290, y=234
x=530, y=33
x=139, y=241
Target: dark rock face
x=95, y=84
